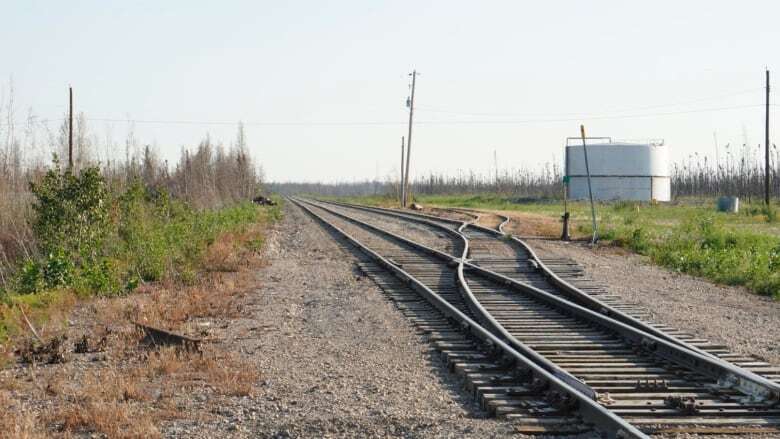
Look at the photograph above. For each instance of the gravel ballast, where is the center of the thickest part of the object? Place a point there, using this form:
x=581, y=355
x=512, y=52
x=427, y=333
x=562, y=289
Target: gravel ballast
x=745, y=322
x=337, y=359
x=733, y=316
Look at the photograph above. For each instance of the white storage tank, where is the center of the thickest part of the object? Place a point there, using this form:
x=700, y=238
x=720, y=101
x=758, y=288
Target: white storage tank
x=619, y=170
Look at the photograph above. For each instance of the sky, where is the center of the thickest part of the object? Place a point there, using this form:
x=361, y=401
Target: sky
x=321, y=86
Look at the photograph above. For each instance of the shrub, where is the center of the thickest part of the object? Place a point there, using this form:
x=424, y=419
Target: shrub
x=638, y=241
x=71, y=224
x=71, y=213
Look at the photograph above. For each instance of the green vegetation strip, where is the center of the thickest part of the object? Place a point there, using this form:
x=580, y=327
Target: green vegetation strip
x=95, y=240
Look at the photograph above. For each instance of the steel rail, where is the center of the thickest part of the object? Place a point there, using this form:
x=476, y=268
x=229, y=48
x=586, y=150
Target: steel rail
x=611, y=425
x=475, y=306
x=726, y=374
x=577, y=295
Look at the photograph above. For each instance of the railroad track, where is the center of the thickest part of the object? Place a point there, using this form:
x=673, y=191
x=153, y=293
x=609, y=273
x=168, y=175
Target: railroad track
x=559, y=360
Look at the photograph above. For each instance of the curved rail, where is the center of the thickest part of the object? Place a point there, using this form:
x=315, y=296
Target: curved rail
x=610, y=424
x=661, y=344
x=575, y=294
x=474, y=305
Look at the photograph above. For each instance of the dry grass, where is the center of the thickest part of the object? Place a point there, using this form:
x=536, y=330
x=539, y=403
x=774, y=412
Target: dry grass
x=131, y=389
x=17, y=422
x=225, y=373
x=222, y=254
x=235, y=380
x=530, y=224
x=172, y=308
x=489, y=220
x=112, y=418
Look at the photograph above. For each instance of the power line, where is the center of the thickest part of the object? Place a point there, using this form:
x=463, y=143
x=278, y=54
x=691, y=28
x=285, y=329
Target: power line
x=431, y=122
x=605, y=112
x=401, y=123
x=232, y=123
x=583, y=118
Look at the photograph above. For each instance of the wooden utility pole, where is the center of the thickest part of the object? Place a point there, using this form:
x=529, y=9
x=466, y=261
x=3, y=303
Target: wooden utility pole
x=403, y=190
x=495, y=164
x=410, y=103
x=70, y=131
x=766, y=144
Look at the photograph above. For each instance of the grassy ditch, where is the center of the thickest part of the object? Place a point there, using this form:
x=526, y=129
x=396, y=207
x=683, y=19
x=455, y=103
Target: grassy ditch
x=94, y=240
x=688, y=236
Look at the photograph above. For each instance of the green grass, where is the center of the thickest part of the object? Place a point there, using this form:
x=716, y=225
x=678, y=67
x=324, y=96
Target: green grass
x=688, y=236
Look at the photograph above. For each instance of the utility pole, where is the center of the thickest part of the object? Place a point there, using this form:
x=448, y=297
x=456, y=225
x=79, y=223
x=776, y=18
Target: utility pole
x=495, y=164
x=410, y=104
x=402, y=192
x=766, y=144
x=590, y=189
x=70, y=131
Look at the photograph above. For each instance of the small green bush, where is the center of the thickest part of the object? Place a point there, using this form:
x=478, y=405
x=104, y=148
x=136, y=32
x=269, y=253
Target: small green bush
x=71, y=213
x=638, y=241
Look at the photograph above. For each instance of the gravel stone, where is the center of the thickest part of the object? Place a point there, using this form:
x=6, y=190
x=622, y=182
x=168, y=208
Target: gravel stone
x=337, y=359
x=745, y=322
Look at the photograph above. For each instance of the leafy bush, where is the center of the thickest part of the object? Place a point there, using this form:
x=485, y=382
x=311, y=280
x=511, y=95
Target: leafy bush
x=71, y=225
x=638, y=241
x=71, y=213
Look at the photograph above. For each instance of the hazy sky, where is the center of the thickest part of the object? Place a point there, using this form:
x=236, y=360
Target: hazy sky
x=322, y=85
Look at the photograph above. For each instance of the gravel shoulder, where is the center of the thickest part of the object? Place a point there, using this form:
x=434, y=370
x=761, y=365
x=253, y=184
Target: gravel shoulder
x=338, y=360
x=745, y=322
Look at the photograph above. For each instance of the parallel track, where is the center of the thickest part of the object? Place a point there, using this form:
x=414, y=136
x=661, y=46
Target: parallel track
x=646, y=390
x=508, y=383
